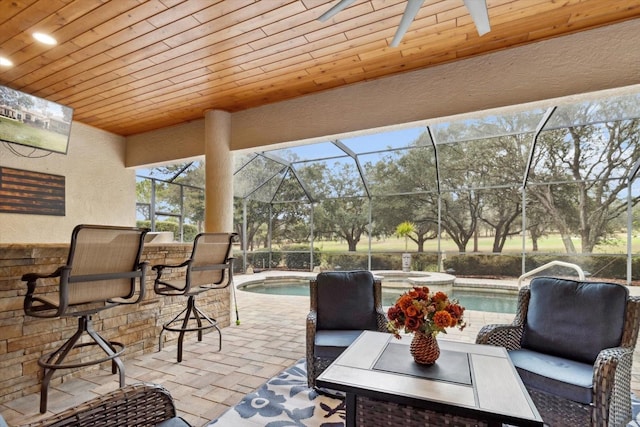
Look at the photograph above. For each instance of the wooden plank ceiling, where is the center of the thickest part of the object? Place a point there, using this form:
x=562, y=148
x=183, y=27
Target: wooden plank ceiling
x=129, y=66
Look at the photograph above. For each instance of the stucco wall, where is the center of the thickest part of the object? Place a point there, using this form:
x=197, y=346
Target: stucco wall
x=98, y=188
x=600, y=59
x=163, y=145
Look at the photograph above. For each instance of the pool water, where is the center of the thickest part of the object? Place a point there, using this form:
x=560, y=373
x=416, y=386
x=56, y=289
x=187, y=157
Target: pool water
x=471, y=300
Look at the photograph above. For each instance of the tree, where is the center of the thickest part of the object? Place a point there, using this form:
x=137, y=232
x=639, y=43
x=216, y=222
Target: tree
x=16, y=99
x=460, y=174
x=502, y=212
x=290, y=222
x=192, y=177
x=483, y=171
x=538, y=222
x=276, y=201
x=344, y=212
x=596, y=159
x=143, y=198
x=194, y=206
x=558, y=204
x=461, y=211
x=406, y=174
x=504, y=159
x=405, y=229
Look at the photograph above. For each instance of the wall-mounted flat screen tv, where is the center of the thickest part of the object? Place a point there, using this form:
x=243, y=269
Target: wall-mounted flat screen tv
x=34, y=122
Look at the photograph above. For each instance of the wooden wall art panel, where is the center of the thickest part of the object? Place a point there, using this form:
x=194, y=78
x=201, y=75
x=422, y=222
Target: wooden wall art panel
x=27, y=192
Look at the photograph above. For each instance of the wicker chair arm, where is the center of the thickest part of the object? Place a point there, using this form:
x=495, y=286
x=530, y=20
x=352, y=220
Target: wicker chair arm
x=135, y=405
x=312, y=324
x=612, y=384
x=382, y=321
x=632, y=320
x=503, y=335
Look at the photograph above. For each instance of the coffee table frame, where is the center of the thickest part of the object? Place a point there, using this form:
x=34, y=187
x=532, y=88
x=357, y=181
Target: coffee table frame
x=375, y=397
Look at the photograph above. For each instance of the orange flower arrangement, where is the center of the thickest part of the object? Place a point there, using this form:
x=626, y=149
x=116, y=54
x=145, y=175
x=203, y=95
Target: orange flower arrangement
x=417, y=310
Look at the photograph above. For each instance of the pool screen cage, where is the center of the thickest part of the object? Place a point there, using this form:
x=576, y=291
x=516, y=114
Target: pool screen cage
x=491, y=194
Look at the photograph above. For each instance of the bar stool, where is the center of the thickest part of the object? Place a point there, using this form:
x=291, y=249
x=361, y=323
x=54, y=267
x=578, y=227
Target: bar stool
x=103, y=271
x=210, y=267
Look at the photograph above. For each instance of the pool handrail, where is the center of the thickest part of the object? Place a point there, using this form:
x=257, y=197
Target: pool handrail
x=549, y=265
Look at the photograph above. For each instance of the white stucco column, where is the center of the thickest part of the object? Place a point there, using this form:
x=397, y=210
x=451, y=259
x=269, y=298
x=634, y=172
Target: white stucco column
x=218, y=172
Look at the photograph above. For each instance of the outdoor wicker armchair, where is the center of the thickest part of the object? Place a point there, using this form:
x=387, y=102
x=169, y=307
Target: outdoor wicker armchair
x=135, y=405
x=343, y=304
x=572, y=343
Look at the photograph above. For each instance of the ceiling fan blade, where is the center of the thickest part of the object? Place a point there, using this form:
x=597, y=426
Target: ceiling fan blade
x=479, y=14
x=335, y=9
x=410, y=12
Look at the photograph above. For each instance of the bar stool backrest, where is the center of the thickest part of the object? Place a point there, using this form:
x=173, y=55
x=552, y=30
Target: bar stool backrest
x=104, y=263
x=209, y=259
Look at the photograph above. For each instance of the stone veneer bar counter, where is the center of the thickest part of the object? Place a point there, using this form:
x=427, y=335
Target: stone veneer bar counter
x=24, y=339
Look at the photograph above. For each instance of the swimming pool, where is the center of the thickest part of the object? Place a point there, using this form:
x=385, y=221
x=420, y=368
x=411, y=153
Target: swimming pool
x=478, y=300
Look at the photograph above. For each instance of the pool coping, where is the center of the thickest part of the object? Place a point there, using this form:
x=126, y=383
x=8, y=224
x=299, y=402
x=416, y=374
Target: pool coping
x=419, y=278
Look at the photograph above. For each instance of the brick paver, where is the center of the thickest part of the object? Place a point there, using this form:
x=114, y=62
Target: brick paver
x=270, y=337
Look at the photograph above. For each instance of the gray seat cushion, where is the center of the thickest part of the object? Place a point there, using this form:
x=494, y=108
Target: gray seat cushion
x=555, y=375
x=574, y=320
x=331, y=343
x=346, y=300
x=174, y=422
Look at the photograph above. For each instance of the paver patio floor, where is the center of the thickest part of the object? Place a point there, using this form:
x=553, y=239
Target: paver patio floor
x=270, y=338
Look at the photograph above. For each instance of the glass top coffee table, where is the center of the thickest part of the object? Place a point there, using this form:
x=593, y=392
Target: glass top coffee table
x=469, y=385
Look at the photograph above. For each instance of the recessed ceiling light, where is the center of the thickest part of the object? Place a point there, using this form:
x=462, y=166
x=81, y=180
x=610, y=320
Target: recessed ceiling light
x=4, y=62
x=44, y=38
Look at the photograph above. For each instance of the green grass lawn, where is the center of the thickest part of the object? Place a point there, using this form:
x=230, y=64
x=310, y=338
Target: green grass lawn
x=11, y=130
x=550, y=244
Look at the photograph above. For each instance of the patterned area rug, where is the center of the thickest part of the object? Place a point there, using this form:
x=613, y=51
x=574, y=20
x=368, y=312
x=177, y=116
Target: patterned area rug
x=635, y=404
x=285, y=400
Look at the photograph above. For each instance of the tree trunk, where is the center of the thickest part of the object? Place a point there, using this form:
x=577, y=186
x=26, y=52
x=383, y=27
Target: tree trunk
x=545, y=197
x=568, y=243
x=534, y=243
x=502, y=231
x=585, y=227
x=498, y=242
x=475, y=239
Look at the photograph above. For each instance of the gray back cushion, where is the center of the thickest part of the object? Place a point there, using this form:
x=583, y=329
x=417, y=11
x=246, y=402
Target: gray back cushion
x=346, y=300
x=574, y=320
